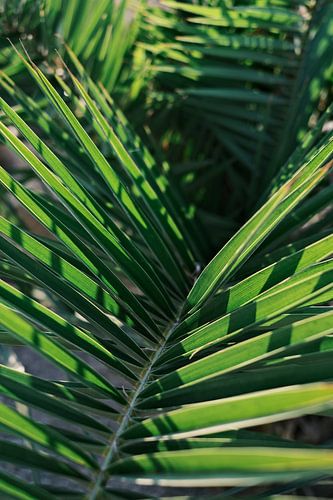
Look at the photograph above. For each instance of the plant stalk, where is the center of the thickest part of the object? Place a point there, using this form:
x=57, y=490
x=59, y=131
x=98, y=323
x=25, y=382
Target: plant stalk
x=112, y=448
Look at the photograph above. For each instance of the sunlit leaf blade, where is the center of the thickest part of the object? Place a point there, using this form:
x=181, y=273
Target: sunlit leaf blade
x=44, y=436
x=94, y=225
x=154, y=138
x=31, y=396
x=58, y=389
x=52, y=281
x=247, y=289
x=16, y=488
x=157, y=210
x=118, y=190
x=48, y=319
x=236, y=412
x=155, y=174
x=312, y=284
x=242, y=354
x=19, y=455
x=55, y=352
x=307, y=368
x=253, y=233
x=237, y=438
x=229, y=466
x=64, y=233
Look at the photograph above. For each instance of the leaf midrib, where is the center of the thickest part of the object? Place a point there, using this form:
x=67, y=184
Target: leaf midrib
x=110, y=451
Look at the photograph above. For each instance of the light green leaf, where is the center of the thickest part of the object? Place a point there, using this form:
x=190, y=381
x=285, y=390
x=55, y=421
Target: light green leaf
x=44, y=436
x=56, y=353
x=249, y=237
x=236, y=412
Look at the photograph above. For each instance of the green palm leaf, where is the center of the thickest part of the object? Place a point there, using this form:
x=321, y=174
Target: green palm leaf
x=167, y=352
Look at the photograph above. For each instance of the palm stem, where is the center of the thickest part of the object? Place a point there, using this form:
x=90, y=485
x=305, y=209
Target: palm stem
x=110, y=451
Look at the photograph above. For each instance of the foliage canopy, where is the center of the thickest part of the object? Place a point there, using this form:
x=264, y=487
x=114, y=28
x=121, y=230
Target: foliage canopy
x=175, y=162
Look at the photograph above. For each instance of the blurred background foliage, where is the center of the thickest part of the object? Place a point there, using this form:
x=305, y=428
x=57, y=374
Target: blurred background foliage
x=222, y=91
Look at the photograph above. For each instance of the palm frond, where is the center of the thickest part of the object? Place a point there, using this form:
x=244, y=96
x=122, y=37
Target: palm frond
x=168, y=361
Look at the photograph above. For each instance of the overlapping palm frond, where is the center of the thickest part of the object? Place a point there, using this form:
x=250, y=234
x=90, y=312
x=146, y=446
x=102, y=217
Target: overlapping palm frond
x=178, y=271
x=101, y=36
x=165, y=370
x=239, y=83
